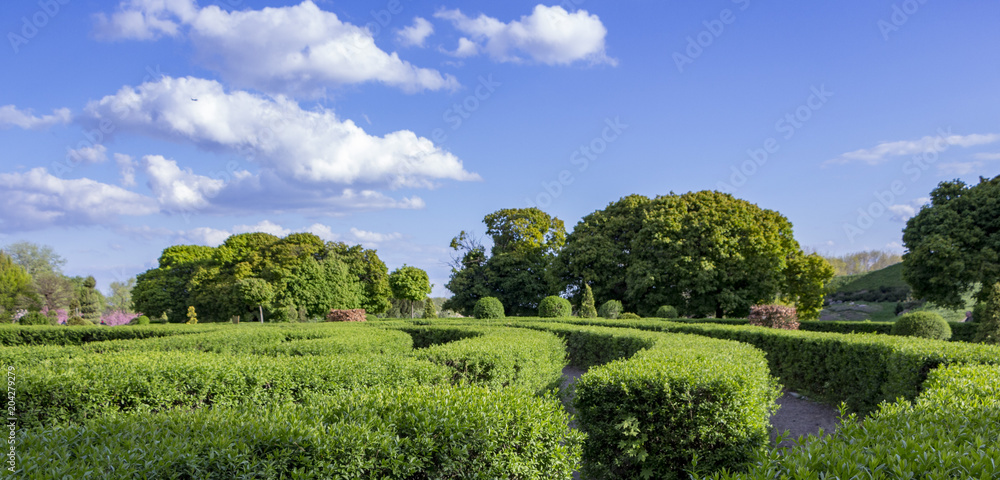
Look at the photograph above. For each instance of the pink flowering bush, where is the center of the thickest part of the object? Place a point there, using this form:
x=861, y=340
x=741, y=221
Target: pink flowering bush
x=118, y=317
x=61, y=316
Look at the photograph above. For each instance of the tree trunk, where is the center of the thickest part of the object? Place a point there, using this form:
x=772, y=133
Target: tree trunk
x=261, y=307
x=411, y=309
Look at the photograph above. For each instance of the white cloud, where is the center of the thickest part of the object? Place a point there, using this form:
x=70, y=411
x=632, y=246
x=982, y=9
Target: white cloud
x=297, y=50
x=466, y=48
x=368, y=238
x=178, y=189
x=11, y=116
x=322, y=231
x=37, y=199
x=126, y=168
x=550, y=35
x=959, y=168
x=415, y=35
x=902, y=212
x=987, y=156
x=886, y=150
x=215, y=237
x=313, y=148
x=264, y=226
x=204, y=236
x=93, y=154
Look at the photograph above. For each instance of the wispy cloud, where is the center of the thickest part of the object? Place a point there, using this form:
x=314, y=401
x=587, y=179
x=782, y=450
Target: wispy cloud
x=12, y=116
x=885, y=151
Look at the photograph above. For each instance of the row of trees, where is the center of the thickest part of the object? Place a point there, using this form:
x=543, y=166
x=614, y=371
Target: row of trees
x=31, y=279
x=259, y=275
x=863, y=262
x=705, y=253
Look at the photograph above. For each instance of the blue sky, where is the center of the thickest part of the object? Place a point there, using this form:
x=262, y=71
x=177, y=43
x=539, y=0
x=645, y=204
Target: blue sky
x=130, y=127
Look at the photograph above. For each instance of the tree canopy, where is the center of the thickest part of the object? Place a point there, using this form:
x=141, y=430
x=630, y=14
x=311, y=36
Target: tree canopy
x=953, y=244
x=409, y=283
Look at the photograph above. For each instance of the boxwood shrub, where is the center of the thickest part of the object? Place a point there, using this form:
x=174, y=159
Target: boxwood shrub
x=426, y=432
x=554, y=307
x=923, y=325
x=488, y=308
x=610, y=309
x=666, y=311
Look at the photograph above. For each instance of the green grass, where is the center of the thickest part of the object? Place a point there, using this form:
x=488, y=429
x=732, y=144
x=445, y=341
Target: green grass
x=891, y=276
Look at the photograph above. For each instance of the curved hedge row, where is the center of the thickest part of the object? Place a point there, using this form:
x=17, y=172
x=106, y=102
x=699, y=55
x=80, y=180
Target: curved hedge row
x=62, y=335
x=666, y=402
x=950, y=431
x=428, y=432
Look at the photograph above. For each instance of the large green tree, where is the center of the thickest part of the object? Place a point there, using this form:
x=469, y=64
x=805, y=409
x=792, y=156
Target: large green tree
x=254, y=293
x=708, y=253
x=409, y=283
x=15, y=287
x=599, y=250
x=807, y=277
x=121, y=295
x=953, y=244
x=518, y=270
x=371, y=271
x=34, y=258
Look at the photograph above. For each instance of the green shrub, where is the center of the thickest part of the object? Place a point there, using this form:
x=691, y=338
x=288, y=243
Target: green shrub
x=428, y=432
x=923, y=325
x=34, y=318
x=79, y=322
x=140, y=320
x=587, y=308
x=666, y=400
x=610, y=309
x=989, y=317
x=554, y=307
x=666, y=311
x=430, y=309
x=950, y=431
x=629, y=316
x=488, y=308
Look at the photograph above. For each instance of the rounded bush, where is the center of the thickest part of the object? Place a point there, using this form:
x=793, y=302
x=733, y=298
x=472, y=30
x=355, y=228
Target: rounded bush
x=667, y=311
x=79, y=322
x=629, y=316
x=610, y=309
x=140, y=320
x=488, y=307
x=554, y=307
x=923, y=325
x=34, y=318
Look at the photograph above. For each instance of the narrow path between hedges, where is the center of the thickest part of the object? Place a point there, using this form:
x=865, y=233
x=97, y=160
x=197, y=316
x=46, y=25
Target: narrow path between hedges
x=797, y=414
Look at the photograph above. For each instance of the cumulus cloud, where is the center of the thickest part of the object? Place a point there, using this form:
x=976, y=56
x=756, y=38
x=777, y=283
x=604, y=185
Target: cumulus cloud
x=466, y=48
x=368, y=238
x=11, y=116
x=214, y=236
x=884, y=151
x=550, y=35
x=37, y=199
x=415, y=35
x=906, y=211
x=296, y=50
x=126, y=168
x=92, y=154
x=314, y=148
x=179, y=189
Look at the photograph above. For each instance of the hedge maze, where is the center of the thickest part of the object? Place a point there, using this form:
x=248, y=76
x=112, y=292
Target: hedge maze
x=447, y=399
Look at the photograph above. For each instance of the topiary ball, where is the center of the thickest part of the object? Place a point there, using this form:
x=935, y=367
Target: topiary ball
x=79, y=322
x=488, y=308
x=554, y=307
x=629, y=316
x=610, y=309
x=34, y=318
x=923, y=325
x=140, y=320
x=667, y=311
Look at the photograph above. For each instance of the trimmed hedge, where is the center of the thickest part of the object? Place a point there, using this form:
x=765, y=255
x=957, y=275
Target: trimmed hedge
x=666, y=311
x=666, y=400
x=60, y=335
x=488, y=308
x=950, y=431
x=71, y=390
x=501, y=358
x=923, y=325
x=862, y=370
x=427, y=432
x=554, y=307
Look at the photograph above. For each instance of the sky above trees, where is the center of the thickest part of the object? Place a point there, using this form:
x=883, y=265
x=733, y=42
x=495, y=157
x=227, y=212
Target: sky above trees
x=130, y=127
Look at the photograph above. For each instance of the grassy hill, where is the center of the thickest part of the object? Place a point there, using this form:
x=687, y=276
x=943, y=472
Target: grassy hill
x=873, y=296
x=891, y=277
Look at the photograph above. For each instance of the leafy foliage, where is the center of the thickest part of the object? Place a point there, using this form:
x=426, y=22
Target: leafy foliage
x=989, y=317
x=15, y=285
x=610, y=309
x=33, y=318
x=629, y=316
x=409, y=283
x=77, y=321
x=923, y=325
x=953, y=245
x=554, y=306
x=666, y=311
x=430, y=309
x=488, y=308
x=192, y=316
x=587, y=307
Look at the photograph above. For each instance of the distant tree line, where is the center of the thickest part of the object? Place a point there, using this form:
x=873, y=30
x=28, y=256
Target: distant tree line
x=704, y=253
x=862, y=262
